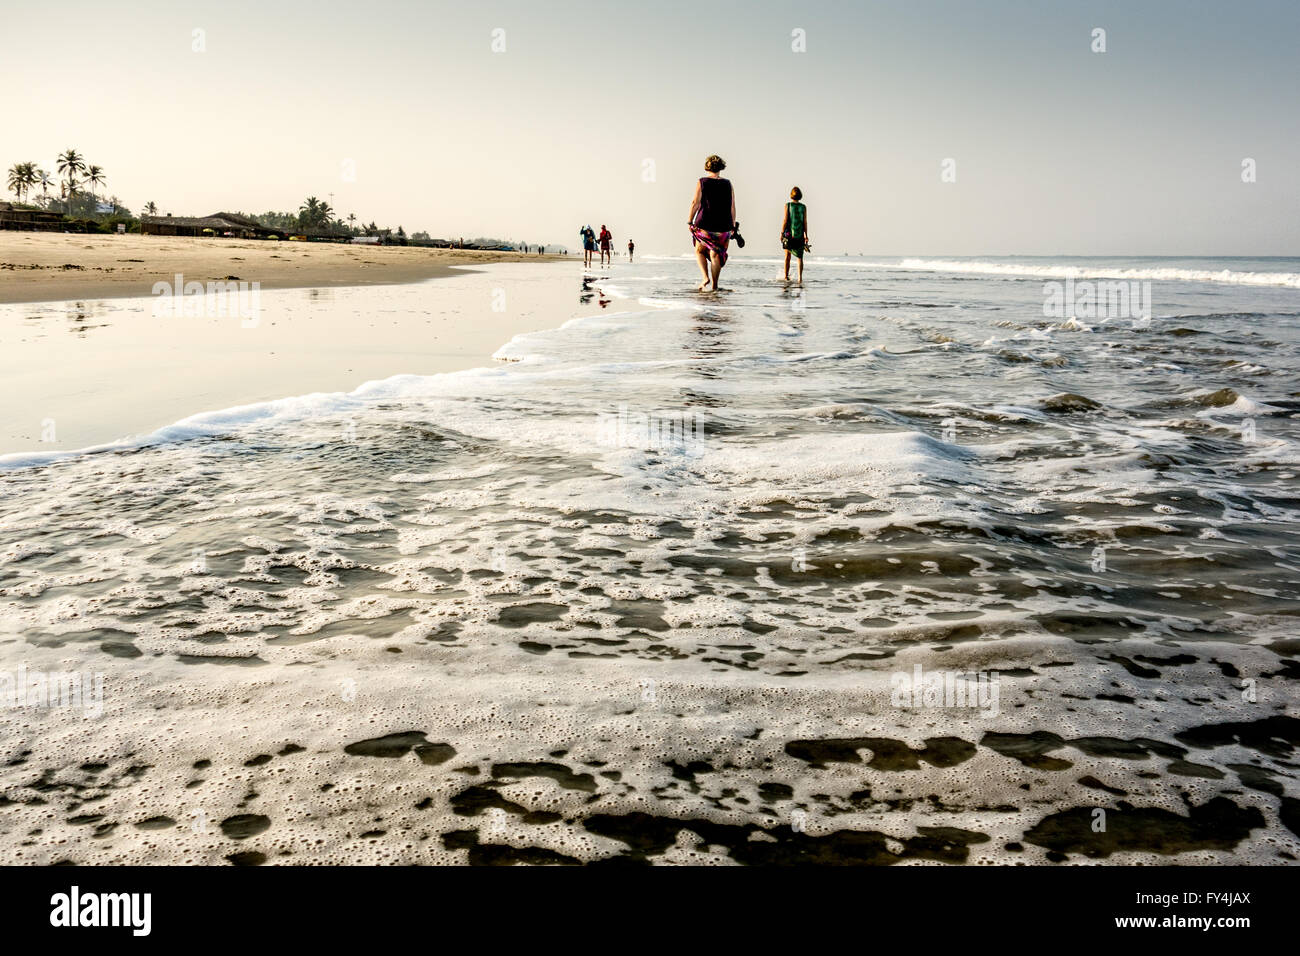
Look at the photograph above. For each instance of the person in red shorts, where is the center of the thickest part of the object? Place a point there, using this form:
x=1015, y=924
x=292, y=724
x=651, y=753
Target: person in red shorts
x=606, y=245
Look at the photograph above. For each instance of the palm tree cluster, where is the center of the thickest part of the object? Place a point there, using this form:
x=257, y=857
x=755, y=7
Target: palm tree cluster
x=75, y=173
x=315, y=214
x=24, y=176
x=71, y=166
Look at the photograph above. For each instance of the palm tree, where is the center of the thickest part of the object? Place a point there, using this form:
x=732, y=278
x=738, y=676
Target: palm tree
x=95, y=176
x=151, y=208
x=71, y=164
x=309, y=212
x=22, y=176
x=44, y=181
x=316, y=214
x=352, y=218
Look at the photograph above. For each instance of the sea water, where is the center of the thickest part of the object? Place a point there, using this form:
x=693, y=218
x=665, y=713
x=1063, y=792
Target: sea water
x=925, y=561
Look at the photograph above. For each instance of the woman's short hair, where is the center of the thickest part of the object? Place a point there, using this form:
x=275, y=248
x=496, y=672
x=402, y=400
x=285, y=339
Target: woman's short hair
x=714, y=164
x=796, y=194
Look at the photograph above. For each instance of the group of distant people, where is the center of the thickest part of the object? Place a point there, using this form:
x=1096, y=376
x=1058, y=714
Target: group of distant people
x=539, y=250
x=713, y=224
x=606, y=242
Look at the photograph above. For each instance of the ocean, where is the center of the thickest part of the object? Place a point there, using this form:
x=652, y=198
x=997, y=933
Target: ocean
x=964, y=561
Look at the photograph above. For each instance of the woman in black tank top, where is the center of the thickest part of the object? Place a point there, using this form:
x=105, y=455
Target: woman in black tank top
x=715, y=204
x=712, y=221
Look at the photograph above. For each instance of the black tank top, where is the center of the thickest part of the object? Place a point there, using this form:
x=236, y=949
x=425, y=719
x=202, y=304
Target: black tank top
x=715, y=205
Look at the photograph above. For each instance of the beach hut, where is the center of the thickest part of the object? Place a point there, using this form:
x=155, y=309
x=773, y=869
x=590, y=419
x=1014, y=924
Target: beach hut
x=219, y=223
x=28, y=219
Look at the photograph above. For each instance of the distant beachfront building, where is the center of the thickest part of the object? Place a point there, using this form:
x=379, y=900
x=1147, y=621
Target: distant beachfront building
x=29, y=220
x=218, y=224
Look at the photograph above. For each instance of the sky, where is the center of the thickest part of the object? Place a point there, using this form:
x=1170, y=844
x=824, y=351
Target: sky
x=528, y=120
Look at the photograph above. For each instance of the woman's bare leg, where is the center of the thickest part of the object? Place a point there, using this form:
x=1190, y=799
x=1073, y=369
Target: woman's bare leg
x=717, y=268
x=787, y=265
x=801, y=270
x=702, y=257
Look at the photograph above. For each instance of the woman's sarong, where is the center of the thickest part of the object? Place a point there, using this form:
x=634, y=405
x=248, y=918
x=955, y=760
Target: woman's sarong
x=713, y=241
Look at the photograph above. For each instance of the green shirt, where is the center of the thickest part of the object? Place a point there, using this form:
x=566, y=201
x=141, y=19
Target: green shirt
x=796, y=211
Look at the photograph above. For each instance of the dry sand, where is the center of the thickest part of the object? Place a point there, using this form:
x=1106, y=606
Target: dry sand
x=55, y=266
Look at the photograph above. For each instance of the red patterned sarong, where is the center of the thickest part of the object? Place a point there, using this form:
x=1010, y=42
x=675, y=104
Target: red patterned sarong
x=713, y=241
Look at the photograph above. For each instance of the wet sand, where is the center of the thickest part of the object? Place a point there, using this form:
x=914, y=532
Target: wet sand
x=76, y=374
x=51, y=267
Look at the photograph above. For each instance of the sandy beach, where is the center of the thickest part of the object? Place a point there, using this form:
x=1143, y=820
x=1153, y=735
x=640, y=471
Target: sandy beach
x=52, y=267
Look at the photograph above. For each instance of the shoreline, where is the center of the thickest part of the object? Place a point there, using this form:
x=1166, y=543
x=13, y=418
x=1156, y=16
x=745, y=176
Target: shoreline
x=80, y=376
x=67, y=267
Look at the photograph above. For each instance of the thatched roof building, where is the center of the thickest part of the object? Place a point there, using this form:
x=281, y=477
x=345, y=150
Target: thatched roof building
x=218, y=224
x=30, y=220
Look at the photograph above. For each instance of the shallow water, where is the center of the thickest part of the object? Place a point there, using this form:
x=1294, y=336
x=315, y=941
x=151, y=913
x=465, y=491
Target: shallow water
x=656, y=588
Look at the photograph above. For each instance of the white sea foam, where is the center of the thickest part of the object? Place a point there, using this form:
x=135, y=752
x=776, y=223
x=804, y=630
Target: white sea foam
x=1288, y=280
x=475, y=563
x=1045, y=270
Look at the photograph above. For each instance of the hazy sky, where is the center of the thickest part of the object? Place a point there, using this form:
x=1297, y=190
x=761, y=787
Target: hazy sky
x=1057, y=149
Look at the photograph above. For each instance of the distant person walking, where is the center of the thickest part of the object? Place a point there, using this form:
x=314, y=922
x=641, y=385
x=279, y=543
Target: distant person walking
x=794, y=231
x=588, y=245
x=712, y=220
x=606, y=245
x=630, y=247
